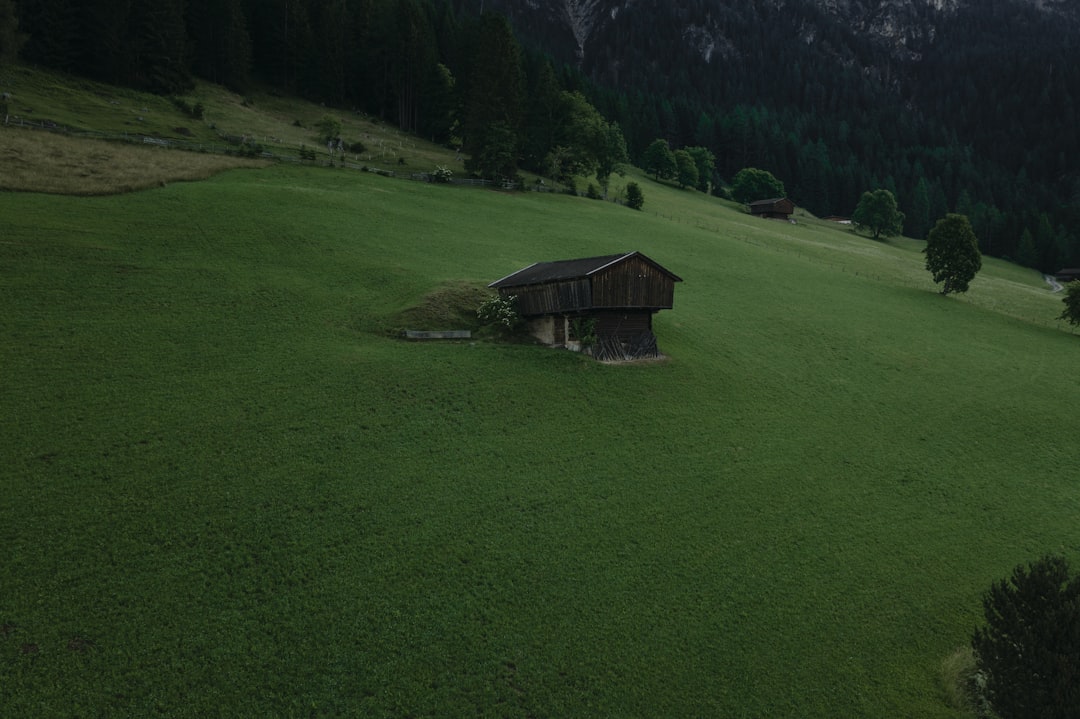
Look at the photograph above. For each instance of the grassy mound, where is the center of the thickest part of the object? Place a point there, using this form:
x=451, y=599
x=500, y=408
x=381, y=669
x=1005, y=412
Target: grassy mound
x=451, y=306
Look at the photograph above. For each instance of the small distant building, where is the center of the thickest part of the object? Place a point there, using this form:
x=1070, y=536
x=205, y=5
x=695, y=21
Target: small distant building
x=1068, y=275
x=777, y=208
x=609, y=299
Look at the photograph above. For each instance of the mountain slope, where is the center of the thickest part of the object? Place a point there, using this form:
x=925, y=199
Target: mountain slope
x=975, y=101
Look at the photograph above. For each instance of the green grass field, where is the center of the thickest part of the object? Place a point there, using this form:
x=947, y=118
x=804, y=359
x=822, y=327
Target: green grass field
x=229, y=490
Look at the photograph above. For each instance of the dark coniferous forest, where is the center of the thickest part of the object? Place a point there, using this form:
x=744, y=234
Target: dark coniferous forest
x=973, y=110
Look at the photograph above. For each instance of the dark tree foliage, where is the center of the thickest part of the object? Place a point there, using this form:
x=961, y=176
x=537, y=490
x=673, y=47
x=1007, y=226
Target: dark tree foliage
x=751, y=184
x=1071, y=313
x=635, y=198
x=11, y=39
x=995, y=88
x=686, y=172
x=952, y=253
x=494, y=98
x=878, y=214
x=220, y=46
x=976, y=117
x=659, y=160
x=1029, y=649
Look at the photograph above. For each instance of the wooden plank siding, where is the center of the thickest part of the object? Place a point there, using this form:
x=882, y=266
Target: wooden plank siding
x=553, y=297
x=626, y=326
x=634, y=282
x=619, y=292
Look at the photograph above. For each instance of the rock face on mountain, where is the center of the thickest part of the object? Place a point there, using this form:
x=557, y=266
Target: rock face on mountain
x=713, y=28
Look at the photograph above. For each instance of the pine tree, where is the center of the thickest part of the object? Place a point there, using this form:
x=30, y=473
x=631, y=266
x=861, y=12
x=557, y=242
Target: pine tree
x=220, y=42
x=1026, y=254
x=51, y=27
x=918, y=220
x=1029, y=650
x=11, y=40
x=494, y=99
x=157, y=46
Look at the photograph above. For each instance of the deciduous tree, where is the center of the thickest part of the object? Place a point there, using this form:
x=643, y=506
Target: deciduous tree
x=751, y=184
x=705, y=161
x=878, y=214
x=686, y=170
x=952, y=253
x=612, y=157
x=659, y=159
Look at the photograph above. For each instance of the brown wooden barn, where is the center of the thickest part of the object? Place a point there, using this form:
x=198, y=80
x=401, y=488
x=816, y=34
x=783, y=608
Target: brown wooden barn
x=1068, y=275
x=777, y=208
x=615, y=295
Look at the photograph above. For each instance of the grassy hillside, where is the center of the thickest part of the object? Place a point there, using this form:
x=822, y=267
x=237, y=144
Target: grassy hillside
x=278, y=124
x=229, y=490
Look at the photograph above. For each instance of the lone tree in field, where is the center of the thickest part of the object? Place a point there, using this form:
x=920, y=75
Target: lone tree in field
x=635, y=199
x=952, y=253
x=1029, y=650
x=1072, y=304
x=751, y=184
x=878, y=214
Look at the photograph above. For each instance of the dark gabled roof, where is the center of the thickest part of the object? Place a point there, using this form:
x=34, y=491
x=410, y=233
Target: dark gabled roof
x=769, y=202
x=543, y=272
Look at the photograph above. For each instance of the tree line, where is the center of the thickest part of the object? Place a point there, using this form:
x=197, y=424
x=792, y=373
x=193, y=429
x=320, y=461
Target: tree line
x=446, y=71
x=456, y=79
x=975, y=118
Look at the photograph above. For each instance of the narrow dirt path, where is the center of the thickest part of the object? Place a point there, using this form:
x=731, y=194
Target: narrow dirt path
x=1055, y=286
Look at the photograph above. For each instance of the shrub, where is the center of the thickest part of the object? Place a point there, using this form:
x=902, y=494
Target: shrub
x=357, y=147
x=584, y=329
x=635, y=199
x=196, y=111
x=500, y=312
x=442, y=174
x=592, y=192
x=328, y=127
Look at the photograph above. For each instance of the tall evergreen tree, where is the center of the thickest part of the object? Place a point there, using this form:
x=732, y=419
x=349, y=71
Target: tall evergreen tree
x=282, y=43
x=543, y=113
x=1029, y=650
x=918, y=218
x=414, y=49
x=11, y=39
x=220, y=42
x=329, y=65
x=103, y=43
x=51, y=27
x=157, y=46
x=494, y=99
